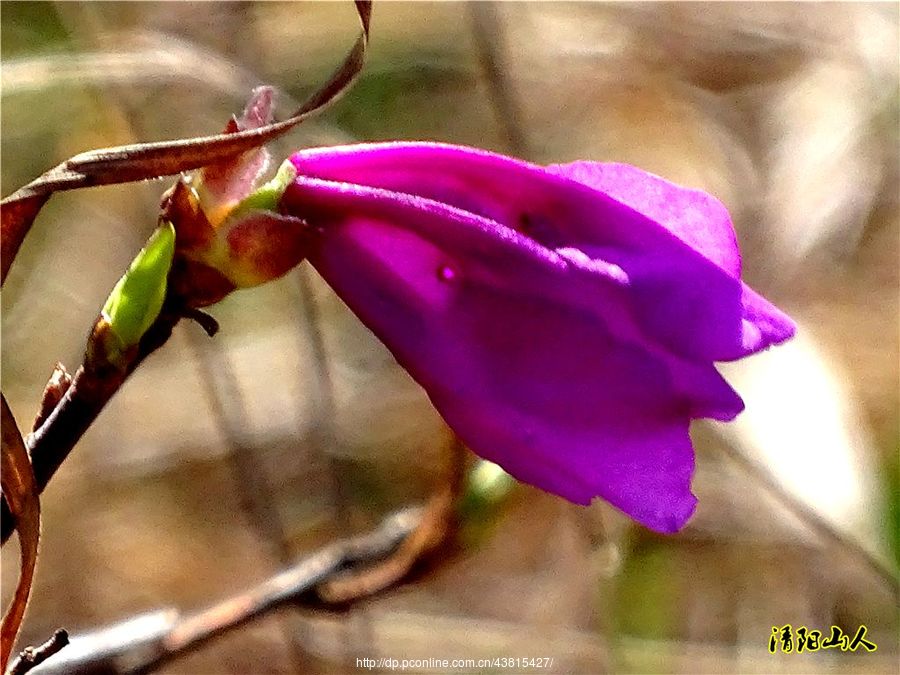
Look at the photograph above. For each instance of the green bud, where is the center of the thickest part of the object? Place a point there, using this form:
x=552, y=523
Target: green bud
x=267, y=196
x=486, y=487
x=137, y=299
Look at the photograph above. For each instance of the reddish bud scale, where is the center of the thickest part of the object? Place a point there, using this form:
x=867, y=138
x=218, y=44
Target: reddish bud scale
x=196, y=284
x=228, y=233
x=264, y=246
x=181, y=207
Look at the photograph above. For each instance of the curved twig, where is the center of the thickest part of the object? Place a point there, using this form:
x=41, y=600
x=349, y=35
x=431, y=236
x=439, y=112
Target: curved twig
x=142, y=161
x=51, y=443
x=25, y=511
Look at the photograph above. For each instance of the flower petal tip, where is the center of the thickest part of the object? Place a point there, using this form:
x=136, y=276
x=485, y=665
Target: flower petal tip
x=764, y=325
x=674, y=521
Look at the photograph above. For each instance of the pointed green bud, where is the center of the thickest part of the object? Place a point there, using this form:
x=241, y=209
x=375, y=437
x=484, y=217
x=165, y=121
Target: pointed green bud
x=137, y=299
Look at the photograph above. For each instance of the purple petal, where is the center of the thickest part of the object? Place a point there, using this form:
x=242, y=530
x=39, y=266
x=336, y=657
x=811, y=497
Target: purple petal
x=685, y=291
x=698, y=219
x=528, y=353
x=764, y=324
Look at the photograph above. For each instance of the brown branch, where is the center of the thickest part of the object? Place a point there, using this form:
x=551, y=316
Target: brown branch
x=354, y=584
x=88, y=393
x=435, y=532
x=143, y=643
x=32, y=657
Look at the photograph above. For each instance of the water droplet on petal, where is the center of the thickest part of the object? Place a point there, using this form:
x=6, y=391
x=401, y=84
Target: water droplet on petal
x=446, y=273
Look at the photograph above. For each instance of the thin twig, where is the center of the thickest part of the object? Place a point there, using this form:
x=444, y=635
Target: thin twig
x=142, y=644
x=432, y=531
x=31, y=657
x=816, y=522
x=323, y=436
x=250, y=478
x=310, y=324
x=230, y=414
x=86, y=396
x=487, y=30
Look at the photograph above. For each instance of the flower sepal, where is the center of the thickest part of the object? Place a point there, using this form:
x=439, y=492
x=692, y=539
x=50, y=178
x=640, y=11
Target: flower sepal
x=246, y=246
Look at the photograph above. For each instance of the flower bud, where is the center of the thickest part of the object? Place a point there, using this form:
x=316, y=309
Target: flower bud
x=135, y=301
x=245, y=245
x=229, y=231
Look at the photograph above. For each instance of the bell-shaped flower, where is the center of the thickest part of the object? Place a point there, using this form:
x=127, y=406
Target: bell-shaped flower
x=564, y=320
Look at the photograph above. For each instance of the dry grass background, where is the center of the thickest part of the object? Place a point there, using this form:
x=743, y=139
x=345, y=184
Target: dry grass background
x=787, y=112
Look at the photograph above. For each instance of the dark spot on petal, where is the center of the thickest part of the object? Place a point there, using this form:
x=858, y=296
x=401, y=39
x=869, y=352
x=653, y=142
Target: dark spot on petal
x=540, y=229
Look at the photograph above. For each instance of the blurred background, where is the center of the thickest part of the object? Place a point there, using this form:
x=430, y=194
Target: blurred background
x=222, y=461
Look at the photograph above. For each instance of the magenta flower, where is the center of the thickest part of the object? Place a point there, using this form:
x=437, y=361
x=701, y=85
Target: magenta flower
x=564, y=320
